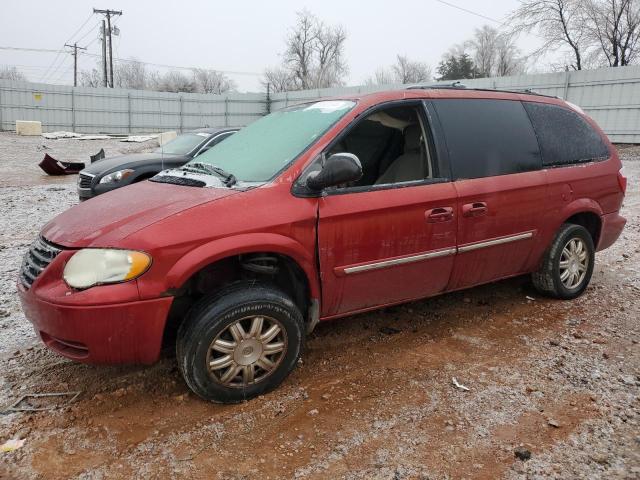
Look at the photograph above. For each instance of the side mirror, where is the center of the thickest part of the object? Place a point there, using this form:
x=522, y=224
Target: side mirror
x=338, y=168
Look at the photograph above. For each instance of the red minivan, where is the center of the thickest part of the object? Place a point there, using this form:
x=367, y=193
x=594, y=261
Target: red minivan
x=319, y=211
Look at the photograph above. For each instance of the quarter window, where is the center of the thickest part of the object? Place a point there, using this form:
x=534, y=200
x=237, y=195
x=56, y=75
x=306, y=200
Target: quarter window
x=488, y=137
x=565, y=137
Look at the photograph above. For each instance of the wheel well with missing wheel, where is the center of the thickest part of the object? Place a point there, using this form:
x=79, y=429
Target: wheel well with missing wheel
x=266, y=267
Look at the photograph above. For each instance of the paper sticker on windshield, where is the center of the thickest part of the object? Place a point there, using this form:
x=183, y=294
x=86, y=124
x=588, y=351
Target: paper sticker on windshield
x=202, y=134
x=330, y=106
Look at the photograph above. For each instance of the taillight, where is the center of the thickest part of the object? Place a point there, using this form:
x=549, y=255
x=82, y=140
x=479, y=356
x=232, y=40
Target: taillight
x=622, y=181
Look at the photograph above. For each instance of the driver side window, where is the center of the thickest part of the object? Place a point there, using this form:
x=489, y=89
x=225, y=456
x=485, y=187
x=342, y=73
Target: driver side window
x=392, y=147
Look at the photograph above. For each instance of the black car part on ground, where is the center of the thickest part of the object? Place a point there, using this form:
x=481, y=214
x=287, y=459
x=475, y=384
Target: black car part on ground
x=98, y=156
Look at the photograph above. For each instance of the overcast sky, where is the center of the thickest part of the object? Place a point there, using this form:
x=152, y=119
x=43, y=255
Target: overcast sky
x=237, y=36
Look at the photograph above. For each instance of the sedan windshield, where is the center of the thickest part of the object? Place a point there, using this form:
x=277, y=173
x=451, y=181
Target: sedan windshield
x=259, y=151
x=183, y=144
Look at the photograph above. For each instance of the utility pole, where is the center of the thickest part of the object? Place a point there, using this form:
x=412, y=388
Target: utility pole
x=109, y=13
x=75, y=61
x=104, y=53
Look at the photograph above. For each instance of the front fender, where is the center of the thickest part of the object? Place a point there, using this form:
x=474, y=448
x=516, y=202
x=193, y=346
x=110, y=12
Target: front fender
x=213, y=251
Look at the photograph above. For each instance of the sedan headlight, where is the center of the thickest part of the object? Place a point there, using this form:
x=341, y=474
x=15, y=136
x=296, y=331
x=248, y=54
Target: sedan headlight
x=116, y=176
x=97, y=266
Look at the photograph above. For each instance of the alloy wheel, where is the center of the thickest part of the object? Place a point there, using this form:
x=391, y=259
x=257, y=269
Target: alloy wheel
x=574, y=263
x=247, y=351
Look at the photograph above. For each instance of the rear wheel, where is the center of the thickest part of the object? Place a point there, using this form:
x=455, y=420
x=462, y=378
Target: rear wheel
x=568, y=264
x=240, y=343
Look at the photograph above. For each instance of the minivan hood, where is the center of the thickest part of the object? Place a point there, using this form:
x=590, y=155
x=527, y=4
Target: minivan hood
x=106, y=219
x=106, y=165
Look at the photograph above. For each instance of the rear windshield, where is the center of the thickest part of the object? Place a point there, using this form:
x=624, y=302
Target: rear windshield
x=564, y=136
x=261, y=150
x=183, y=144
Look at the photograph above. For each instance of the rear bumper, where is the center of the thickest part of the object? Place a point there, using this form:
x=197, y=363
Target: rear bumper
x=612, y=226
x=117, y=333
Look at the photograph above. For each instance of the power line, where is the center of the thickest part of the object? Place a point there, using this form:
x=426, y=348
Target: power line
x=43, y=78
x=470, y=12
x=177, y=67
x=24, y=49
x=91, y=30
x=72, y=36
x=95, y=55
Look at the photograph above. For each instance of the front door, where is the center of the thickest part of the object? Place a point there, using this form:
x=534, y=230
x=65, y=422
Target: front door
x=392, y=236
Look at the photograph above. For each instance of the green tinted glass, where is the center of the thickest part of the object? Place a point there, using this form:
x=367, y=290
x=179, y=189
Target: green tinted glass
x=259, y=151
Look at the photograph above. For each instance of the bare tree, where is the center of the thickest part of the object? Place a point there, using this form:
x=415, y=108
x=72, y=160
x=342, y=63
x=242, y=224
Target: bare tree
x=91, y=78
x=300, y=45
x=12, y=73
x=559, y=22
x=313, y=57
x=172, y=81
x=494, y=53
x=403, y=71
x=278, y=79
x=408, y=71
x=330, y=65
x=484, y=46
x=614, y=26
x=508, y=60
x=212, y=81
x=130, y=74
x=382, y=76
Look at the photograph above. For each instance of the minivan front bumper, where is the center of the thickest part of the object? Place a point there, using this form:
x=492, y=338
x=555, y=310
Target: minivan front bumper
x=128, y=332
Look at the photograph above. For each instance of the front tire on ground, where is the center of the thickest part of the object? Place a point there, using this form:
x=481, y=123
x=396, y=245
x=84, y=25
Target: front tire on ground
x=239, y=343
x=568, y=264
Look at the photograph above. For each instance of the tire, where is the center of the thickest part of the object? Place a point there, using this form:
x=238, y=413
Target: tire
x=552, y=279
x=223, y=331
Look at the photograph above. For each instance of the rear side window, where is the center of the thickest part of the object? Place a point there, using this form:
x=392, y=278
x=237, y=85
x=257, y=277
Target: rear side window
x=565, y=137
x=488, y=137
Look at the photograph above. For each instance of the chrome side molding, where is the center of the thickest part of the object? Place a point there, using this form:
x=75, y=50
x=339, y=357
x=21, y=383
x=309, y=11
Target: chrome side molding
x=435, y=254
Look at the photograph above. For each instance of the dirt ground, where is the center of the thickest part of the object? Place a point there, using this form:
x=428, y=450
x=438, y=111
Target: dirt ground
x=373, y=396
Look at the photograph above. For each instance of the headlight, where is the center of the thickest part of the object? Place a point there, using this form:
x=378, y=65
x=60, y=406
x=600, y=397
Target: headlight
x=96, y=266
x=116, y=176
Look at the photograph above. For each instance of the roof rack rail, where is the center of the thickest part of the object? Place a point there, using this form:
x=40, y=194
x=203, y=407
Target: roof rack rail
x=459, y=85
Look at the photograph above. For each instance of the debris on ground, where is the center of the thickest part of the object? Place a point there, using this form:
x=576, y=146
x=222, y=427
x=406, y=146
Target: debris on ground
x=522, y=453
x=54, y=167
x=390, y=330
x=138, y=138
x=57, y=135
x=98, y=156
x=459, y=385
x=553, y=423
x=11, y=445
x=38, y=402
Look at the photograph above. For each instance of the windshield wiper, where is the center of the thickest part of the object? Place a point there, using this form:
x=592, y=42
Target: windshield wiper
x=229, y=179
